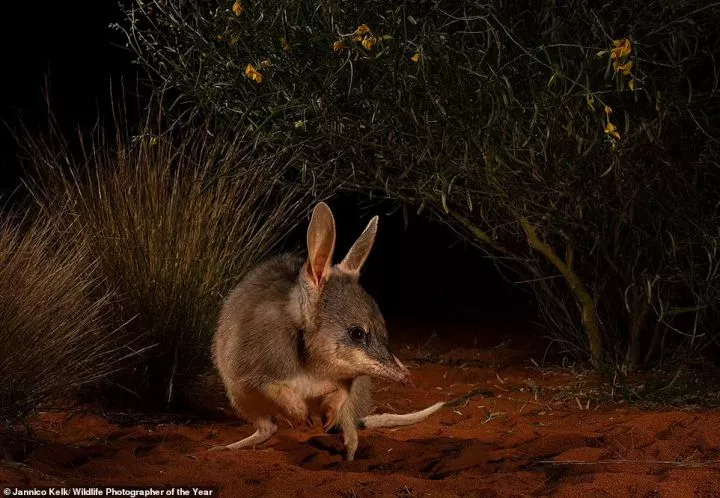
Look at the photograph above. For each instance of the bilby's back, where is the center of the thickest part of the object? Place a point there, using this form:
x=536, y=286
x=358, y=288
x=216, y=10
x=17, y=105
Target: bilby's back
x=256, y=339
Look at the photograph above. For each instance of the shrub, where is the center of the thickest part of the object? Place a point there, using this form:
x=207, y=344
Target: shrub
x=175, y=219
x=573, y=142
x=53, y=316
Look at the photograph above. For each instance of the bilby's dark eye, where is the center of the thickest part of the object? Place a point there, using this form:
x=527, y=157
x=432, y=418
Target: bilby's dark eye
x=357, y=334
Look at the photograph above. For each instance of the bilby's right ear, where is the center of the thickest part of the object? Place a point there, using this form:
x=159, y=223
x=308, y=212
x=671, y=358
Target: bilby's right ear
x=321, y=244
x=360, y=250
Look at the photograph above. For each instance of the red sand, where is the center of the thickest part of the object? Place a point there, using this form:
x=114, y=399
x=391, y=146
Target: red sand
x=503, y=443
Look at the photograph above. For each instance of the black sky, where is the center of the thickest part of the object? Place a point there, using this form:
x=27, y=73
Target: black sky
x=67, y=44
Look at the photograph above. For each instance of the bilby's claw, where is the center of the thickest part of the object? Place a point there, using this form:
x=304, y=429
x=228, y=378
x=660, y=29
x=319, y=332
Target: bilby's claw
x=329, y=421
x=330, y=429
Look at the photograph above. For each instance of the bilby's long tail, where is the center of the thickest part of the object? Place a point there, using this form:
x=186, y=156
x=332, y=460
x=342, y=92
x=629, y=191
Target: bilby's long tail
x=396, y=419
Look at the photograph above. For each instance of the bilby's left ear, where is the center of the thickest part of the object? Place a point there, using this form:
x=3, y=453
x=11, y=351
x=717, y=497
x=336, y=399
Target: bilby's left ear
x=360, y=250
x=321, y=244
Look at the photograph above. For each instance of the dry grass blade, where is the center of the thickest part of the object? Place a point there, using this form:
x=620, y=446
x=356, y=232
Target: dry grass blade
x=53, y=316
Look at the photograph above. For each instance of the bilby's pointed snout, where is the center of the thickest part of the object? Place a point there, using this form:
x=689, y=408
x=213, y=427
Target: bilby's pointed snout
x=393, y=369
x=385, y=364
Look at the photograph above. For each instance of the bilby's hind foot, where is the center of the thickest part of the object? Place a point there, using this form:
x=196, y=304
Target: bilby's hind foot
x=264, y=430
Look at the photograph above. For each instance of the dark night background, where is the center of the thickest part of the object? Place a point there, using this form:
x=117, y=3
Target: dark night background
x=422, y=272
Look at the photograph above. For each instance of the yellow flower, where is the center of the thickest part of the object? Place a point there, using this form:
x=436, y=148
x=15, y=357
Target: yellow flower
x=417, y=56
x=266, y=63
x=369, y=42
x=253, y=74
x=622, y=48
x=284, y=44
x=608, y=110
x=631, y=84
x=626, y=48
x=360, y=32
x=338, y=46
x=362, y=29
x=611, y=130
x=237, y=8
x=624, y=68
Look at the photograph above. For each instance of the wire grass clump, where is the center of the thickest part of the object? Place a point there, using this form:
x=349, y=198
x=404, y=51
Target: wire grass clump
x=174, y=219
x=53, y=316
x=576, y=143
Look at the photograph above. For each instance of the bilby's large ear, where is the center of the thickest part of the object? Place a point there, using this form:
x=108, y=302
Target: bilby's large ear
x=321, y=244
x=360, y=250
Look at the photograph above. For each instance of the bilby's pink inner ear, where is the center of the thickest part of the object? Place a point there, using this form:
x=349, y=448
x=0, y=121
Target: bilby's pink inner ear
x=321, y=244
x=360, y=250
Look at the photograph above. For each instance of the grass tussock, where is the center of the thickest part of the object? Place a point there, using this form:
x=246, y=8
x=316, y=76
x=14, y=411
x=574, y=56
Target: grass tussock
x=174, y=219
x=54, y=313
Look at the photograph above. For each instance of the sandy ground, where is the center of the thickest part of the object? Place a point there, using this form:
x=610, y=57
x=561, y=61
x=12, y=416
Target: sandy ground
x=520, y=437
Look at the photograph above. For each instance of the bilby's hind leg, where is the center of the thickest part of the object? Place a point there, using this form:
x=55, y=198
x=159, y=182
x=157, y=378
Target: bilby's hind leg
x=252, y=406
x=289, y=403
x=264, y=430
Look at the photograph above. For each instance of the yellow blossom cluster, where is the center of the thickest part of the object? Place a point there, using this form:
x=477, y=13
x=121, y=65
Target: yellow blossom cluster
x=610, y=129
x=621, y=56
x=622, y=61
x=362, y=35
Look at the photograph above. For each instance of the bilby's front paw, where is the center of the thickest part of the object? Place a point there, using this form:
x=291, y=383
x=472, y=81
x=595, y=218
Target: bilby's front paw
x=331, y=407
x=330, y=419
x=327, y=427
